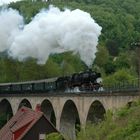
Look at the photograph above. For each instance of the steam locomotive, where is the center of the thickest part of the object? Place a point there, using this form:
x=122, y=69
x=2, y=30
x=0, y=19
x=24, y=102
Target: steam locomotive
x=88, y=80
x=84, y=81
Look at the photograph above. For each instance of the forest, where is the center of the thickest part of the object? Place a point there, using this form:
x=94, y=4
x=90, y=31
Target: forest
x=116, y=59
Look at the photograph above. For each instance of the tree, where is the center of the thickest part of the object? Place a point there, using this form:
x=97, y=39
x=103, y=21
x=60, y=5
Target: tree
x=102, y=56
x=122, y=62
x=136, y=46
x=52, y=69
x=120, y=76
x=112, y=47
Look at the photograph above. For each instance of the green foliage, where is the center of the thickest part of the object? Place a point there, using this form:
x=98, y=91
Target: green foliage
x=57, y=65
x=69, y=62
x=122, y=76
x=120, y=24
x=98, y=131
x=124, y=124
x=102, y=56
x=112, y=47
x=52, y=69
x=130, y=132
x=54, y=136
x=120, y=27
x=110, y=67
x=123, y=112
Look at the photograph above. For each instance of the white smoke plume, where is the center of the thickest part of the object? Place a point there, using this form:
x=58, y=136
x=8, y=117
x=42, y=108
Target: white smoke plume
x=2, y=2
x=54, y=31
x=10, y=22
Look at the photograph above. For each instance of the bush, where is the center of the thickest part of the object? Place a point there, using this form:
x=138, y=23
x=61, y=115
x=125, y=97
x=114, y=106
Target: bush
x=121, y=77
x=54, y=136
x=124, y=124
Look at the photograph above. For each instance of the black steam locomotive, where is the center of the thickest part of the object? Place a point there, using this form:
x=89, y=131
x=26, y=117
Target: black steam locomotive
x=83, y=81
x=77, y=82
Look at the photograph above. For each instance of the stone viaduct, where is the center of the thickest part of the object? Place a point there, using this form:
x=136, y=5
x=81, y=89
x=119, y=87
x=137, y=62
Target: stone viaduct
x=67, y=110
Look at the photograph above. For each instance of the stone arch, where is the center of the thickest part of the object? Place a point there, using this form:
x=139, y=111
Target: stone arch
x=6, y=109
x=69, y=121
x=26, y=103
x=47, y=108
x=96, y=112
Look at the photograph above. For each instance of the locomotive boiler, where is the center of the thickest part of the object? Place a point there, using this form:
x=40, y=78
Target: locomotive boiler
x=88, y=80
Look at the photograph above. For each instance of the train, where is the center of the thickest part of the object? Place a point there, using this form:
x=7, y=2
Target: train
x=84, y=81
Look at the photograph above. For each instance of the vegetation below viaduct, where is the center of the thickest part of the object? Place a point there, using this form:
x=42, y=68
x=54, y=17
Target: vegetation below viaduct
x=124, y=124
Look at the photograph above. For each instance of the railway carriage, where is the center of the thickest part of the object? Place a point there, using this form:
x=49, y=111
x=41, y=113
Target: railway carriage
x=87, y=80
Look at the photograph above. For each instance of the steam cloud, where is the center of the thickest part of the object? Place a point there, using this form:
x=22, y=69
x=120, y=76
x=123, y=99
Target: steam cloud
x=10, y=21
x=50, y=31
x=7, y=1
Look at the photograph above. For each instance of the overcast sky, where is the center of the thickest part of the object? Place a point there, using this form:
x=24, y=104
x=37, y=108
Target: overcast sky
x=7, y=1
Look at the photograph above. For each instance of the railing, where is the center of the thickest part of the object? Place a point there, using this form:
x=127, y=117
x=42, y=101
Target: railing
x=123, y=86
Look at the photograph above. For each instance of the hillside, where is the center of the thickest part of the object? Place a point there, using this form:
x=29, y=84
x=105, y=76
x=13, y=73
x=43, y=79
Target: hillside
x=120, y=27
x=119, y=19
